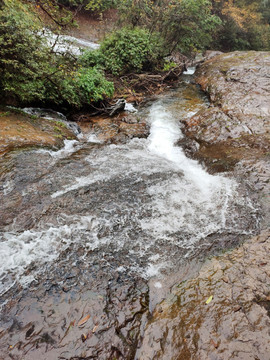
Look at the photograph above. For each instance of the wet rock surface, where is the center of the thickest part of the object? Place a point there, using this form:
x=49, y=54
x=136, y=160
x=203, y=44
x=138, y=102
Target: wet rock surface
x=75, y=312
x=223, y=313
x=238, y=85
x=20, y=131
x=85, y=298
x=119, y=129
x=235, y=129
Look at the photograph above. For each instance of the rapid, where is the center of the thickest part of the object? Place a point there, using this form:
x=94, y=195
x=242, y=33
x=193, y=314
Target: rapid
x=144, y=204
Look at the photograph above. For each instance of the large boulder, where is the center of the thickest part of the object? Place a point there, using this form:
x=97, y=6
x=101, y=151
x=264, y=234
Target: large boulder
x=238, y=85
x=234, y=132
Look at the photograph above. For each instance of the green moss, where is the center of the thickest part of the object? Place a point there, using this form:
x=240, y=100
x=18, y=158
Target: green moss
x=57, y=129
x=5, y=113
x=61, y=124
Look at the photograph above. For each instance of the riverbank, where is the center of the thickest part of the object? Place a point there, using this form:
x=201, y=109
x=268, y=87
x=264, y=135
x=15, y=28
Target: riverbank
x=234, y=132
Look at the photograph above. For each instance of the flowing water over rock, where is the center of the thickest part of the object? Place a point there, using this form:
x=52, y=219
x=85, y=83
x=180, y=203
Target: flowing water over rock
x=84, y=228
x=66, y=43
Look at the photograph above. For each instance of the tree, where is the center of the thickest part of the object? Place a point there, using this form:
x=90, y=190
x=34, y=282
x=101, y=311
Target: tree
x=186, y=25
x=31, y=70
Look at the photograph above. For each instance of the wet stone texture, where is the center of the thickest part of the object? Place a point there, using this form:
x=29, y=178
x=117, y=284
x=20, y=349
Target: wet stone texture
x=234, y=132
x=21, y=131
x=73, y=312
x=81, y=304
x=118, y=129
x=238, y=85
x=222, y=314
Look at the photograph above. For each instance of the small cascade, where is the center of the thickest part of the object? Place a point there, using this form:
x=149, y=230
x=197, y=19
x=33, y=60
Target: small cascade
x=65, y=43
x=143, y=206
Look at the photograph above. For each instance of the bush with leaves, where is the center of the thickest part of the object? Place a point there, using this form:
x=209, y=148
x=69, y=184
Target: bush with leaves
x=22, y=53
x=92, y=85
x=127, y=50
x=92, y=5
x=30, y=69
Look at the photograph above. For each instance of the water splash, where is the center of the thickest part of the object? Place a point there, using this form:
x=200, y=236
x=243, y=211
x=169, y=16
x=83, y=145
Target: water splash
x=66, y=43
x=145, y=200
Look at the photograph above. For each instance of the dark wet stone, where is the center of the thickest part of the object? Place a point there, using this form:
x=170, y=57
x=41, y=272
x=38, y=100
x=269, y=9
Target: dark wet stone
x=47, y=322
x=233, y=325
x=238, y=86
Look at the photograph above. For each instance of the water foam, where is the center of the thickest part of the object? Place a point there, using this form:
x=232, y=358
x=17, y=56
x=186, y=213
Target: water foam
x=36, y=247
x=190, y=70
x=130, y=108
x=179, y=205
x=66, y=43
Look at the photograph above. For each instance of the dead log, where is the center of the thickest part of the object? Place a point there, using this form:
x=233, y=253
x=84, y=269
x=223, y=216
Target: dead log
x=117, y=107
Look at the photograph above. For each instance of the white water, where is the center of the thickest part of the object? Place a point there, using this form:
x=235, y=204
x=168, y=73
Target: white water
x=190, y=70
x=130, y=108
x=66, y=43
x=186, y=204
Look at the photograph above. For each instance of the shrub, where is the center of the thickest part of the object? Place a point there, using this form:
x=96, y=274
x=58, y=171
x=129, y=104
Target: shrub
x=91, y=58
x=130, y=50
x=92, y=85
x=31, y=71
x=185, y=25
x=22, y=53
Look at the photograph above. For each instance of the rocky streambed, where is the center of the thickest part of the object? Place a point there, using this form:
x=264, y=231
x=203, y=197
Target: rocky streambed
x=105, y=240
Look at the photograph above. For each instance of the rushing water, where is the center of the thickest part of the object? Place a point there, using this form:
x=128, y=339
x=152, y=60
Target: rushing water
x=65, y=43
x=143, y=203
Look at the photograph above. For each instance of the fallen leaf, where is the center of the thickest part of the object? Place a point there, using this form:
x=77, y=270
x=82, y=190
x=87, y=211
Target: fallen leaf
x=95, y=329
x=209, y=299
x=214, y=343
x=237, y=308
x=83, y=321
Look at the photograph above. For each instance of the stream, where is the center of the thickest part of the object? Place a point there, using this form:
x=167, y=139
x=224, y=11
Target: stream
x=89, y=228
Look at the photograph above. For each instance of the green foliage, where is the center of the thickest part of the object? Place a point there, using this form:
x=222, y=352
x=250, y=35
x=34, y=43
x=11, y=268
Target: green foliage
x=244, y=25
x=92, y=5
x=129, y=50
x=30, y=70
x=21, y=52
x=81, y=87
x=186, y=25
x=91, y=58
x=99, y=5
x=126, y=50
x=189, y=25
x=92, y=85
x=168, y=65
